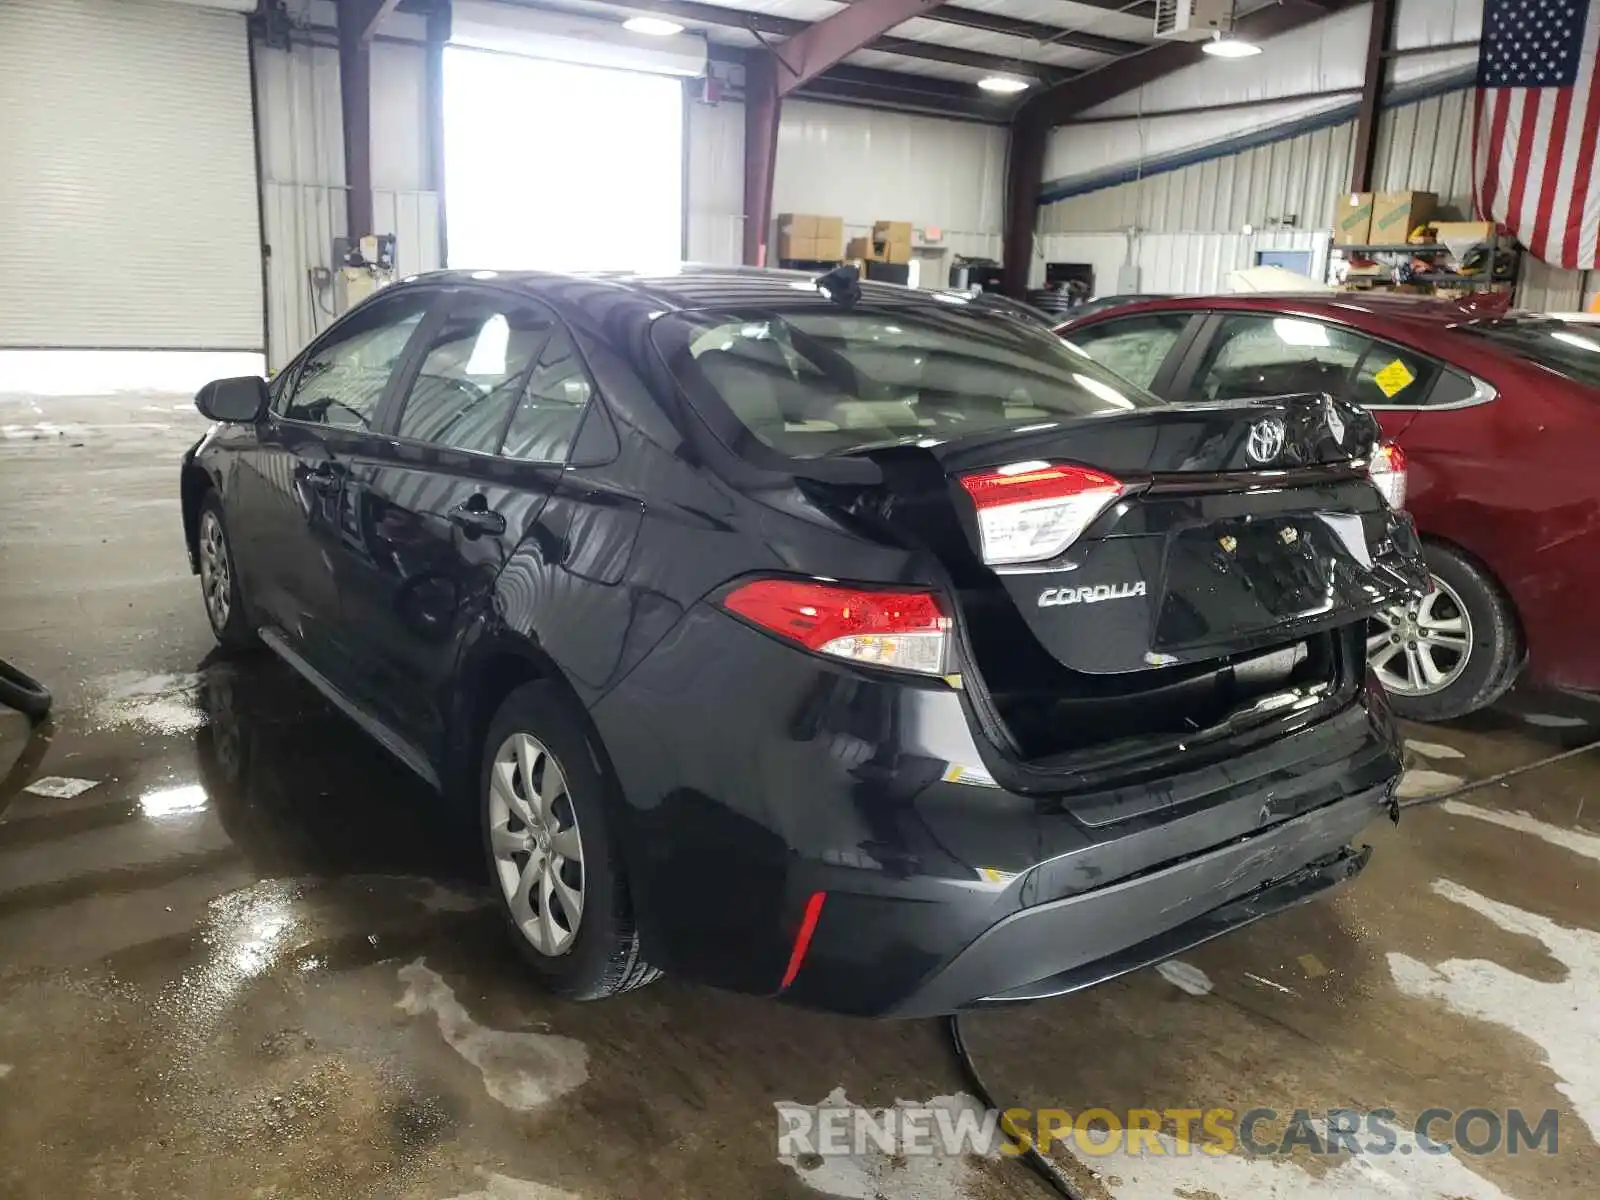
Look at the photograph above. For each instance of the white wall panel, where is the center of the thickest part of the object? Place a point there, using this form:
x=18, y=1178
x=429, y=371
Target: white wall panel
x=128, y=212
x=1426, y=145
x=1180, y=263
x=859, y=164
x=399, y=118
x=715, y=183
x=303, y=200
x=866, y=165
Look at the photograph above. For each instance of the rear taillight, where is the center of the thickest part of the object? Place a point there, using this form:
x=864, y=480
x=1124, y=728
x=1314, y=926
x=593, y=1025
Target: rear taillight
x=1035, y=510
x=906, y=630
x=1388, y=471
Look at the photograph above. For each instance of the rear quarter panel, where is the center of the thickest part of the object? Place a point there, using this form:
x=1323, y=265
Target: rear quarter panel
x=1513, y=483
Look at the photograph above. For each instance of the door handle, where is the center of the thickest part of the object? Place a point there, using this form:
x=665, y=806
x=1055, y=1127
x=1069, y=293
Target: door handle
x=476, y=521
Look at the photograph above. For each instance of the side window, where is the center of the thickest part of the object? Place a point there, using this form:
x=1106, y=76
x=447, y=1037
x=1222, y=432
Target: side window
x=1133, y=347
x=546, y=421
x=1275, y=356
x=1391, y=377
x=472, y=374
x=1453, y=387
x=341, y=383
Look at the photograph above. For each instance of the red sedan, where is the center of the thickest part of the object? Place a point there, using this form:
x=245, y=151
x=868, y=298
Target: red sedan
x=1498, y=416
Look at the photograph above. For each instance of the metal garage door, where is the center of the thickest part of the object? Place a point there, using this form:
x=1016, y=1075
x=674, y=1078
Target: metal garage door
x=128, y=214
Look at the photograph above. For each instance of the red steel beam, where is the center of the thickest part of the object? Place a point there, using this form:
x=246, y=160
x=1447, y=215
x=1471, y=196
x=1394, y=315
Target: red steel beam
x=355, y=102
x=761, y=106
x=1366, y=144
x=811, y=52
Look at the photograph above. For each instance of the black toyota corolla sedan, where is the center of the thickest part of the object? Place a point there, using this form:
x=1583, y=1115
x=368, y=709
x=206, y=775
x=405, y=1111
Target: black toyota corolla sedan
x=815, y=638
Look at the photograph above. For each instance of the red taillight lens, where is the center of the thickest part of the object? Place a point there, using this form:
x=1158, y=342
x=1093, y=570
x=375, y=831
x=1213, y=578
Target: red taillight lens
x=1035, y=510
x=1388, y=471
x=906, y=630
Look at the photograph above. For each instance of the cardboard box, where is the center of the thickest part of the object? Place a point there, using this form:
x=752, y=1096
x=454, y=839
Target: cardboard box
x=800, y=225
x=1396, y=214
x=830, y=237
x=897, y=252
x=892, y=232
x=1352, y=223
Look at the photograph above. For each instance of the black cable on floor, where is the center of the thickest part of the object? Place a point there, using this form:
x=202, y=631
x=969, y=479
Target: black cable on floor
x=1040, y=1163
x=1473, y=785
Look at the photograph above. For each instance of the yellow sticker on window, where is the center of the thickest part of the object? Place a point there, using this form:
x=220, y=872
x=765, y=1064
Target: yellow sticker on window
x=1395, y=378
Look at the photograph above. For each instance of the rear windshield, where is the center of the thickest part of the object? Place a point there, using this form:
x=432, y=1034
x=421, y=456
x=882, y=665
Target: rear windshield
x=816, y=381
x=1571, y=347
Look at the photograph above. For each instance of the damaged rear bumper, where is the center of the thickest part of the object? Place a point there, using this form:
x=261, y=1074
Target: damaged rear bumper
x=1065, y=945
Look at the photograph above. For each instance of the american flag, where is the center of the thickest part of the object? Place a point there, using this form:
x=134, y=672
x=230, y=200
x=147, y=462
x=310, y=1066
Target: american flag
x=1538, y=122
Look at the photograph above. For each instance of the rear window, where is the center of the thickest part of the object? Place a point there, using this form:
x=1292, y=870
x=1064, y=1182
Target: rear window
x=1570, y=347
x=816, y=381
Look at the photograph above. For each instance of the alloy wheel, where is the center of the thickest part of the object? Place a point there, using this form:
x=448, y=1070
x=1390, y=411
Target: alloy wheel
x=216, y=571
x=1419, y=649
x=533, y=836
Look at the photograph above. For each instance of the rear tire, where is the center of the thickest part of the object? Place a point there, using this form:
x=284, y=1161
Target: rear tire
x=552, y=861
x=219, y=579
x=1464, y=633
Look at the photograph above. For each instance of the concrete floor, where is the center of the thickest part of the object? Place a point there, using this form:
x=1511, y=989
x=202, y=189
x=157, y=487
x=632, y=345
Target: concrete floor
x=254, y=958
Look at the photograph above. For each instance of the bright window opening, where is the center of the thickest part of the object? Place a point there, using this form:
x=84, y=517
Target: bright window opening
x=557, y=166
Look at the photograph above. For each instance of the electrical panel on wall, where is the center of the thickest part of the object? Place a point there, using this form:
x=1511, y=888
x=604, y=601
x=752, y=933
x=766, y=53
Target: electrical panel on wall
x=1192, y=20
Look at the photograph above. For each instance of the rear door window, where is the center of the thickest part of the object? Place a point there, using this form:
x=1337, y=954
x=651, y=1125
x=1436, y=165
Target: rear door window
x=1133, y=347
x=814, y=380
x=472, y=375
x=552, y=404
x=1257, y=356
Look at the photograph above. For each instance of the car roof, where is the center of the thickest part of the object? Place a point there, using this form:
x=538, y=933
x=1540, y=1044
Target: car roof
x=1351, y=307
x=692, y=286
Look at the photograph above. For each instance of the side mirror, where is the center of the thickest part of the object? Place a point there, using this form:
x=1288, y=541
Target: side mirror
x=242, y=399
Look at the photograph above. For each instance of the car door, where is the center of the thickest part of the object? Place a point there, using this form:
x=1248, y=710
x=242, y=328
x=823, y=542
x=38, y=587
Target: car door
x=293, y=510
x=479, y=432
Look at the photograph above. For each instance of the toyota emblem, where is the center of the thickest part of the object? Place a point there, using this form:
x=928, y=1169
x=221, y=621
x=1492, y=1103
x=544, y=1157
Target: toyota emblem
x=1266, y=440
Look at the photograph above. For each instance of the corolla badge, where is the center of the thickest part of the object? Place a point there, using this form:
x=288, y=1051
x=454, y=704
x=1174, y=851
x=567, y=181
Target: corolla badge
x=1266, y=440
x=1053, y=597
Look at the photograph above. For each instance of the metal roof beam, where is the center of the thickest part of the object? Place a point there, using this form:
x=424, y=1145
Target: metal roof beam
x=765, y=24
x=809, y=53
x=1032, y=31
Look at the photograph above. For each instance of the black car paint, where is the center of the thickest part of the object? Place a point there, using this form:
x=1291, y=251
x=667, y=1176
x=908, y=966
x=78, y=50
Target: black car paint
x=750, y=775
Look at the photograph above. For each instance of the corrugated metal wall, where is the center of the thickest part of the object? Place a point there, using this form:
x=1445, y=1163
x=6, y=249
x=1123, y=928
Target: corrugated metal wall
x=1195, y=208
x=1426, y=145
x=860, y=164
x=1173, y=262
x=302, y=176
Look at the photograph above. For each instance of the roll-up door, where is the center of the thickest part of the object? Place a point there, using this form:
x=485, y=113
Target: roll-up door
x=128, y=204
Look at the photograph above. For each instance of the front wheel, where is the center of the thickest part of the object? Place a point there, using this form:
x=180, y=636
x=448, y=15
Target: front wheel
x=555, y=869
x=1454, y=651
x=219, y=580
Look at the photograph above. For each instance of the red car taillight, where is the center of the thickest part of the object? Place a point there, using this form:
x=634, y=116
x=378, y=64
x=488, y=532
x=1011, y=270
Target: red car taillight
x=906, y=630
x=1388, y=471
x=1035, y=510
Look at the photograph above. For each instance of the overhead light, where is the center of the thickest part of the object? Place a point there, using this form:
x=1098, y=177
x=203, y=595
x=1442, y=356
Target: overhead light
x=654, y=26
x=1006, y=84
x=1230, y=47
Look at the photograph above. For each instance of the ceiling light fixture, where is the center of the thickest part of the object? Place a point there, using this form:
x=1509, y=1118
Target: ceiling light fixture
x=1228, y=46
x=654, y=26
x=1005, y=84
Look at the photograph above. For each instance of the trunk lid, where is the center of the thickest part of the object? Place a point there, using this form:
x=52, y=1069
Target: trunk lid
x=1238, y=527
